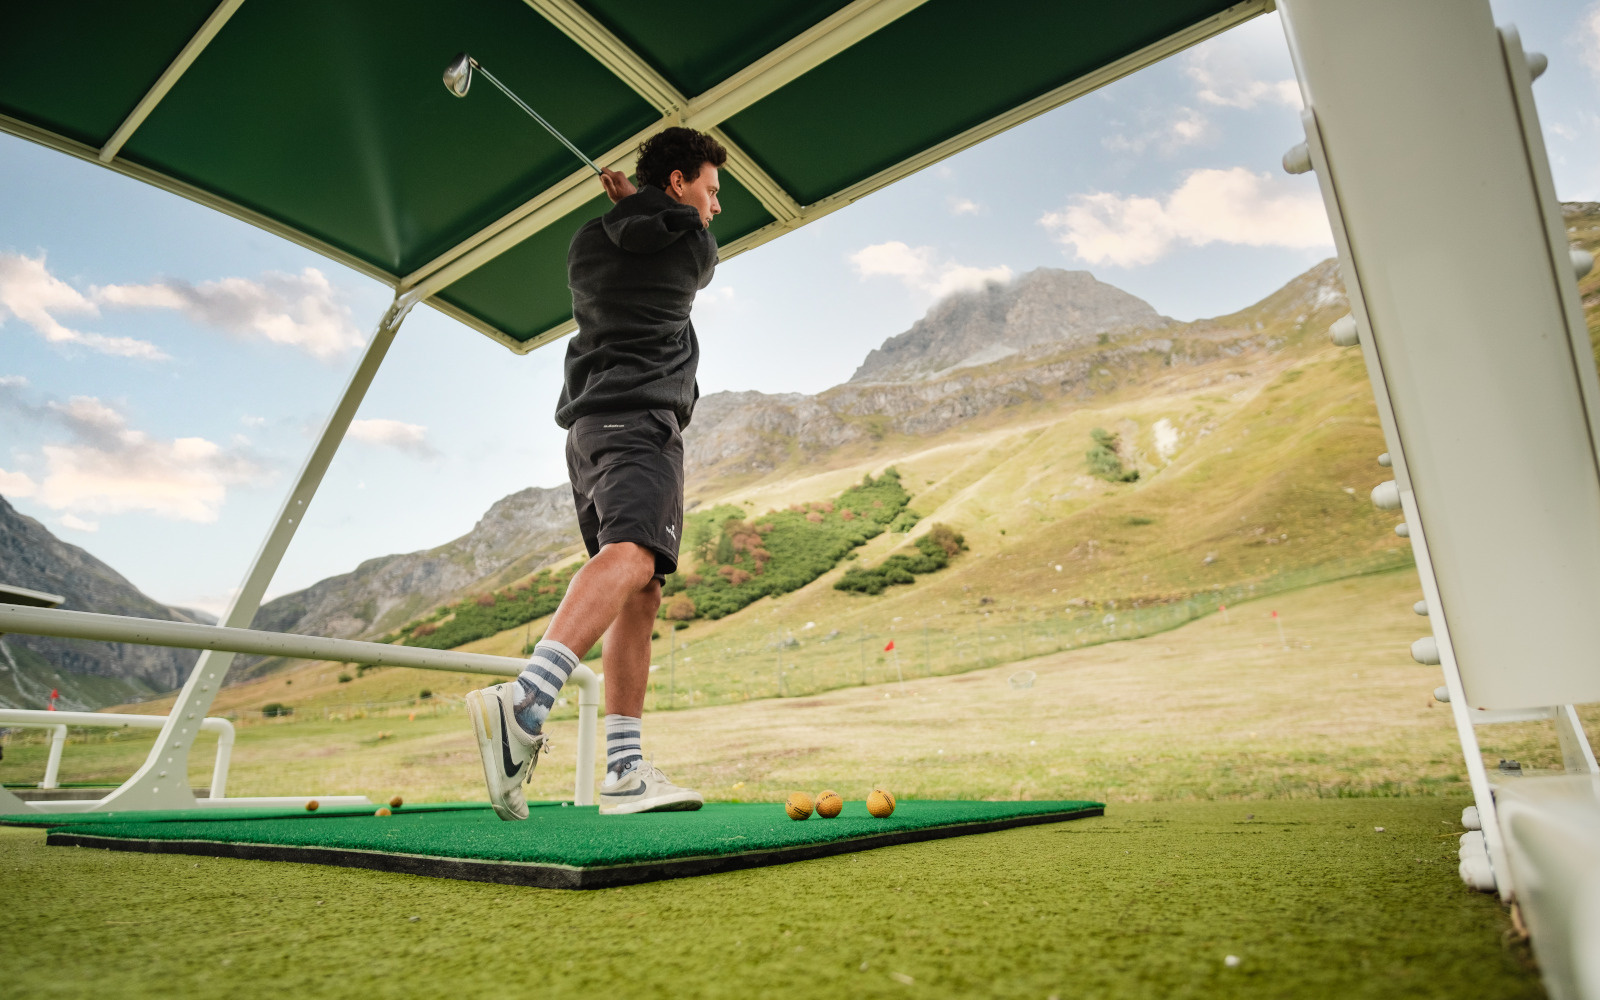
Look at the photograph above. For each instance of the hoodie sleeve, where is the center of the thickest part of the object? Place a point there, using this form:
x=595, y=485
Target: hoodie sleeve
x=649, y=231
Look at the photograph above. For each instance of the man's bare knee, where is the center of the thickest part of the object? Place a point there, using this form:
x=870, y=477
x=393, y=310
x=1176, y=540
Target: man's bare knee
x=640, y=561
x=649, y=599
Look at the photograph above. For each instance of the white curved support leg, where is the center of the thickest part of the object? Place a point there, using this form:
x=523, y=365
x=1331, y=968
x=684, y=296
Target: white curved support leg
x=588, y=732
x=52, y=769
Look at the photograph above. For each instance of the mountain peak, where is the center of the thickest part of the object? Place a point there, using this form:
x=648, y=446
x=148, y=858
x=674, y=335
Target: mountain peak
x=1045, y=306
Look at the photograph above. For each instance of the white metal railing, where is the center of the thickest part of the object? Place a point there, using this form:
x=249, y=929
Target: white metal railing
x=183, y=635
x=59, y=721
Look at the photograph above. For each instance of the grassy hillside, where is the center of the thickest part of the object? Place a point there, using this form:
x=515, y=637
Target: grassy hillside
x=1255, y=443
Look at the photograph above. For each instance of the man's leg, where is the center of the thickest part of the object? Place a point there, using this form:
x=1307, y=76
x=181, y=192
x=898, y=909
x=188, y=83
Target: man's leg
x=508, y=719
x=626, y=655
x=627, y=666
x=617, y=575
x=616, y=580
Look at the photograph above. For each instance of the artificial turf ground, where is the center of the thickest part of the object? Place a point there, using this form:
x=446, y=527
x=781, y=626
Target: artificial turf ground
x=559, y=846
x=1146, y=901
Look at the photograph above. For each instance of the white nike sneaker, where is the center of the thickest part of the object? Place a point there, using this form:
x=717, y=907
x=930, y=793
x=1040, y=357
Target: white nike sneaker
x=643, y=788
x=508, y=753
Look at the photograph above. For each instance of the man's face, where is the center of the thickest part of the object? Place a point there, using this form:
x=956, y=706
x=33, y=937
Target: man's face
x=700, y=192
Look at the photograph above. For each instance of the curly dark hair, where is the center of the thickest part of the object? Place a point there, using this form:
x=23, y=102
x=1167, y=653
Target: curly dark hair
x=677, y=149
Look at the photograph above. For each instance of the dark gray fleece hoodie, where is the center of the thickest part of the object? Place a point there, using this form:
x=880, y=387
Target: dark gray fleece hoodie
x=634, y=273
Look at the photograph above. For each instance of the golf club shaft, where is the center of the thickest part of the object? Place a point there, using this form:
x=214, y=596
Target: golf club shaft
x=538, y=118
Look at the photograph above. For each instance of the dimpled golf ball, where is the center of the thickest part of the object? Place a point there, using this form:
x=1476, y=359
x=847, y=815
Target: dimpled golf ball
x=383, y=811
x=396, y=802
x=828, y=804
x=799, y=806
x=311, y=806
x=880, y=803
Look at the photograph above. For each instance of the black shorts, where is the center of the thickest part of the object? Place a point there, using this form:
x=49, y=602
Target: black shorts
x=627, y=481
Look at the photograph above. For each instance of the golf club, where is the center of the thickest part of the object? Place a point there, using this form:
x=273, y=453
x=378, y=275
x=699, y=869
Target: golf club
x=458, y=80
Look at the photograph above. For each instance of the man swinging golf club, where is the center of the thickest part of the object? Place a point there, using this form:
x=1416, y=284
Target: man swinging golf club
x=629, y=390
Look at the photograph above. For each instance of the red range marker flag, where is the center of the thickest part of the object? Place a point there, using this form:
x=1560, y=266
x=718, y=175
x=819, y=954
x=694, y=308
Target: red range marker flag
x=890, y=647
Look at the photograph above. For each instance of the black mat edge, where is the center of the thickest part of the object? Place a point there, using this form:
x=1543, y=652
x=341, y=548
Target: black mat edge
x=553, y=876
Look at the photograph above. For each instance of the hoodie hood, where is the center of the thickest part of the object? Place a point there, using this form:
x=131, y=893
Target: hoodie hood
x=649, y=221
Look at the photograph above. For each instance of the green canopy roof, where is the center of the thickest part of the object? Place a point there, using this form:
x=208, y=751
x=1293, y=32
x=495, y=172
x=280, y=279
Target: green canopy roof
x=325, y=121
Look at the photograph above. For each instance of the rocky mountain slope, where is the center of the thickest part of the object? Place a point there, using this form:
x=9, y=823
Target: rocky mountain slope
x=32, y=557
x=1045, y=307
x=517, y=534
x=743, y=434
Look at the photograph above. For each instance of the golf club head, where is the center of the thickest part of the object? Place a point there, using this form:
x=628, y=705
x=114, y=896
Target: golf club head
x=458, y=75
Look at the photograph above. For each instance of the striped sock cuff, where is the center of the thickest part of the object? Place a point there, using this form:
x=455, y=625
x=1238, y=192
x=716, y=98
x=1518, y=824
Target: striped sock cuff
x=541, y=680
x=623, y=743
x=547, y=670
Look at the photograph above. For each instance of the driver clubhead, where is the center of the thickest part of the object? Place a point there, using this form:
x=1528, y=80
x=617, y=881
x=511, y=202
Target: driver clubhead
x=458, y=75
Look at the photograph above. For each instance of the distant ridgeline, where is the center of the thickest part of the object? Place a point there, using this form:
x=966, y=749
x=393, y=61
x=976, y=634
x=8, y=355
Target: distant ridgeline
x=484, y=615
x=739, y=561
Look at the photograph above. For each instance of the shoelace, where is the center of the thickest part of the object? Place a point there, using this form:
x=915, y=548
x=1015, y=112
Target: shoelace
x=542, y=748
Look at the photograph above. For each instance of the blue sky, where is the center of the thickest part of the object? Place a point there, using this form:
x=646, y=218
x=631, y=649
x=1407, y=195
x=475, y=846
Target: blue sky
x=163, y=369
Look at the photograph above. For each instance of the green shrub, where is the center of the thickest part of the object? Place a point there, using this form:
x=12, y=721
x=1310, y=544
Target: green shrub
x=274, y=709
x=1105, y=459
x=425, y=694
x=345, y=678
x=934, y=551
x=905, y=521
x=484, y=615
x=743, y=559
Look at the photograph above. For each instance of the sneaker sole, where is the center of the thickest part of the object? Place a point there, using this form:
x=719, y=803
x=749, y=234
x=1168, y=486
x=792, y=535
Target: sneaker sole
x=685, y=801
x=488, y=752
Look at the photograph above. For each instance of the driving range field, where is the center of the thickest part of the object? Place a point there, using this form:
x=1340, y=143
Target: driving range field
x=1291, y=800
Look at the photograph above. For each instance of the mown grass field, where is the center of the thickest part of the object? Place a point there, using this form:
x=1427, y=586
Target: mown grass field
x=1145, y=902
x=1244, y=781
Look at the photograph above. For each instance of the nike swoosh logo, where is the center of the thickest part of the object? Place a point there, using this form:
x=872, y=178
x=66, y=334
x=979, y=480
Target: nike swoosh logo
x=505, y=749
x=636, y=791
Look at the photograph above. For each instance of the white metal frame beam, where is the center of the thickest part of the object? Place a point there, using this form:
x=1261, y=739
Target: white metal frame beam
x=789, y=61
x=230, y=640
x=800, y=54
x=768, y=74
x=1110, y=73
x=170, y=76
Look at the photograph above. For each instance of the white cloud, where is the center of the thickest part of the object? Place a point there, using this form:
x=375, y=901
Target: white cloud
x=296, y=310
x=30, y=293
x=1245, y=67
x=1589, y=28
x=250, y=421
x=299, y=311
x=78, y=523
x=1186, y=127
x=918, y=268
x=411, y=439
x=17, y=484
x=106, y=467
x=14, y=381
x=964, y=206
x=1211, y=206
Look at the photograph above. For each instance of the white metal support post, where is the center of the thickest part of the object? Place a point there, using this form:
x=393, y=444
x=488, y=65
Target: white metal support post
x=162, y=782
x=1421, y=129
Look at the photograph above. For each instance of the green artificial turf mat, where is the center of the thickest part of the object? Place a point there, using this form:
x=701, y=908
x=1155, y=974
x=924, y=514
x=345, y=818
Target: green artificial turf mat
x=221, y=814
x=569, y=847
